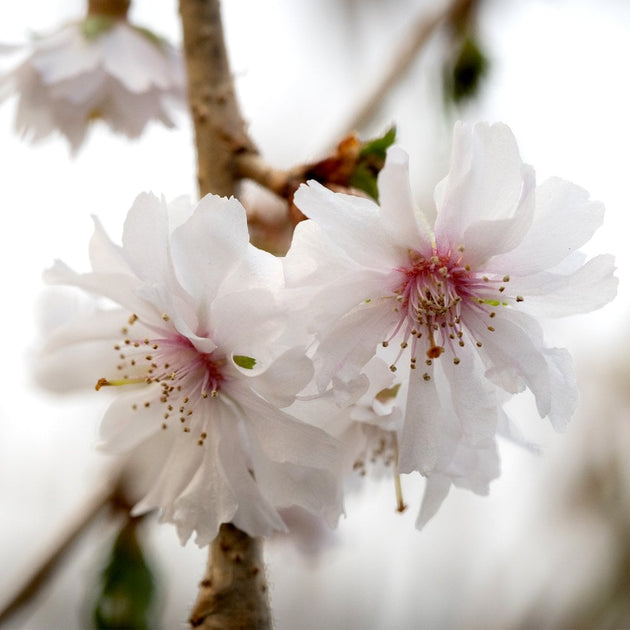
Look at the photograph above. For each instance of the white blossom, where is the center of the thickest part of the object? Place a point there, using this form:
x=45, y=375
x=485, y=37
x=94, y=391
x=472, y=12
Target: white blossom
x=189, y=341
x=99, y=68
x=451, y=296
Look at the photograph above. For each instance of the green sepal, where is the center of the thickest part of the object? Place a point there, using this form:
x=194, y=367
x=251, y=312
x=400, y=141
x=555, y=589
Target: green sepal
x=95, y=25
x=371, y=161
x=244, y=362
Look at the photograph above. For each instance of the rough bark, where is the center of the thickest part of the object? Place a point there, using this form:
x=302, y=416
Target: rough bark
x=233, y=593
x=220, y=132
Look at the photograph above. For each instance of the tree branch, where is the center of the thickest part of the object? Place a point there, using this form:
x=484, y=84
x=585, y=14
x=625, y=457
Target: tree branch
x=106, y=496
x=233, y=593
x=220, y=132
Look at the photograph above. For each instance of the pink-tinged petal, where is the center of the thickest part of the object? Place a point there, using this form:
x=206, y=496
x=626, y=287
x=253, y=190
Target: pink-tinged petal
x=207, y=247
x=353, y=223
x=179, y=468
x=343, y=352
x=556, y=295
x=515, y=355
x=435, y=492
x=487, y=238
x=565, y=219
x=64, y=55
x=473, y=397
x=255, y=513
x=286, y=439
x=129, y=420
x=507, y=429
x=136, y=61
x=420, y=437
x=212, y=497
x=120, y=288
x=485, y=181
x=397, y=207
x=146, y=241
x=245, y=323
x=106, y=256
x=288, y=375
x=564, y=397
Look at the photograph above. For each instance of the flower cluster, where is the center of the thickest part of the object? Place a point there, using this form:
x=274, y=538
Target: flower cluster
x=102, y=67
x=384, y=334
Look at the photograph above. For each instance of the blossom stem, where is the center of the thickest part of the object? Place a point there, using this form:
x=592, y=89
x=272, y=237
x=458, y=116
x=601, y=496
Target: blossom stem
x=111, y=8
x=233, y=593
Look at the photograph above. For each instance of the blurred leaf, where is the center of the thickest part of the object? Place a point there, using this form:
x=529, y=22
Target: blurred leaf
x=370, y=162
x=463, y=78
x=127, y=586
x=377, y=148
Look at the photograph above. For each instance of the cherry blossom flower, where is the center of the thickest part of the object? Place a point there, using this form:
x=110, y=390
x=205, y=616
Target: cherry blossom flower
x=189, y=340
x=100, y=68
x=451, y=298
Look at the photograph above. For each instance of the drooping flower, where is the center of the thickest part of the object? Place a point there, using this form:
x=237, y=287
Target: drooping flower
x=451, y=297
x=189, y=349
x=103, y=68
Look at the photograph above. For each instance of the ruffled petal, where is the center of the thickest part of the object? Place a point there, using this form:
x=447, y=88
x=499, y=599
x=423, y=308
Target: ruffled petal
x=353, y=223
x=565, y=219
x=397, y=207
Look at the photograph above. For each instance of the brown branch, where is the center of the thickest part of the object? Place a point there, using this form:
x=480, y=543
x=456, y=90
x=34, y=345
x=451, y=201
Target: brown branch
x=233, y=593
x=220, y=131
x=53, y=560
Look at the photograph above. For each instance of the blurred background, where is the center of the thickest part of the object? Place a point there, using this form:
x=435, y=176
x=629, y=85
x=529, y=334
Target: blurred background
x=550, y=546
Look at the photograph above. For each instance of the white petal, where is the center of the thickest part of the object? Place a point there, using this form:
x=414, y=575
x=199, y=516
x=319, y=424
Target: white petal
x=210, y=244
x=565, y=219
x=124, y=426
x=555, y=295
x=485, y=181
x=289, y=374
x=435, y=492
x=397, y=207
x=353, y=223
x=418, y=442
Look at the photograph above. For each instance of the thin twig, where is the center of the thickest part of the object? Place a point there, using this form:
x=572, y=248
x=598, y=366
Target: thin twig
x=413, y=42
x=51, y=562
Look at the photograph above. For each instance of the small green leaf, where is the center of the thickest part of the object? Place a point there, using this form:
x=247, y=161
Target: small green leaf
x=364, y=179
x=378, y=147
x=247, y=363
x=127, y=590
x=370, y=162
x=95, y=25
x=388, y=393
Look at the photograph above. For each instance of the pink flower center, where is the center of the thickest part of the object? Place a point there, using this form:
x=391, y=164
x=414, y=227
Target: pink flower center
x=432, y=297
x=186, y=377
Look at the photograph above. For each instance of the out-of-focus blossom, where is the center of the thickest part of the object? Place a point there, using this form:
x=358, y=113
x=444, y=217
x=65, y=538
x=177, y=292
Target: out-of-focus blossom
x=100, y=68
x=451, y=298
x=186, y=341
